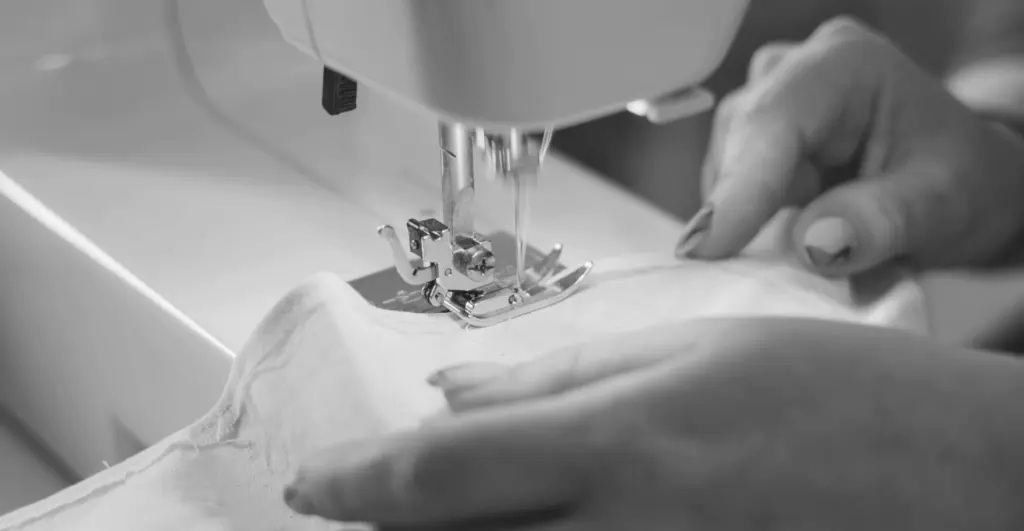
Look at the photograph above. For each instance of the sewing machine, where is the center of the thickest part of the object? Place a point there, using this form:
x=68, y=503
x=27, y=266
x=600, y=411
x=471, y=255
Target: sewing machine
x=501, y=76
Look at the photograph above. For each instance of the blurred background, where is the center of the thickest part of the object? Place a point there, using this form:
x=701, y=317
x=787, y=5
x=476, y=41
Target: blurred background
x=661, y=163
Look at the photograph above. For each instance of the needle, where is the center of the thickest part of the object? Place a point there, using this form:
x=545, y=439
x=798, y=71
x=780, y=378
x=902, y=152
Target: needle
x=521, y=201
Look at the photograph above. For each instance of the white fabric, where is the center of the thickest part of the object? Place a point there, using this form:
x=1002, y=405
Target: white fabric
x=324, y=366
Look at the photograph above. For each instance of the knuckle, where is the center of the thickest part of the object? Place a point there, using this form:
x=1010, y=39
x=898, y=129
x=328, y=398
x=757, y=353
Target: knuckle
x=847, y=36
x=842, y=28
x=766, y=56
x=767, y=51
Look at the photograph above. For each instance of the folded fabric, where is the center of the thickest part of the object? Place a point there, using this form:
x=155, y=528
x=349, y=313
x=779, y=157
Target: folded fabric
x=325, y=366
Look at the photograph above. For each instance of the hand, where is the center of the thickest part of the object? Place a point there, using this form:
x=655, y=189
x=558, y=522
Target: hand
x=733, y=424
x=891, y=164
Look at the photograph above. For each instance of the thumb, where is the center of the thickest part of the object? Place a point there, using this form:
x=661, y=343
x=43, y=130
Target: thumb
x=863, y=223
x=760, y=168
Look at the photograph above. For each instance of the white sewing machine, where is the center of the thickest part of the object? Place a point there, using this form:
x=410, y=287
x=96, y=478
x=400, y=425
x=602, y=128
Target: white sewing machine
x=501, y=76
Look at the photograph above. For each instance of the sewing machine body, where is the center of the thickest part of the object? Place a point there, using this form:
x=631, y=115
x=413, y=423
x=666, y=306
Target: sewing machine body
x=526, y=64
x=500, y=76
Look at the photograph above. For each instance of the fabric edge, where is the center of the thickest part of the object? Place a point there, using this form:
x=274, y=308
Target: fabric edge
x=214, y=427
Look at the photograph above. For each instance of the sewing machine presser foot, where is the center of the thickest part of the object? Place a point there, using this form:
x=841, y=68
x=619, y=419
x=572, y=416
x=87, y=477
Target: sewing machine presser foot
x=459, y=275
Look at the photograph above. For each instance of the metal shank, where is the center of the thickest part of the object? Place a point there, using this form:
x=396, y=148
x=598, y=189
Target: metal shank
x=457, y=186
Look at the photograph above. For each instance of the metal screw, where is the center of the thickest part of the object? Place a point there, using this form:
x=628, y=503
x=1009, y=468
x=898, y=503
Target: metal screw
x=448, y=272
x=515, y=298
x=488, y=264
x=414, y=245
x=475, y=262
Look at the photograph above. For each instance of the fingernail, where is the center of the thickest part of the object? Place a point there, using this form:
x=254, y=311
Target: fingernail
x=466, y=375
x=829, y=241
x=695, y=231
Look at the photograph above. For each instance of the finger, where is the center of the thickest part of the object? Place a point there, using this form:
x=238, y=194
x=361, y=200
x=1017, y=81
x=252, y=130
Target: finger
x=576, y=367
x=757, y=164
x=766, y=58
x=807, y=181
x=805, y=186
x=712, y=157
x=811, y=102
x=505, y=462
x=864, y=223
x=551, y=375
x=470, y=374
x=762, y=63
